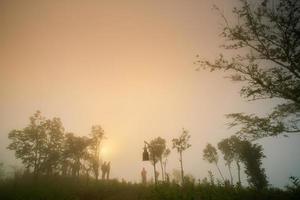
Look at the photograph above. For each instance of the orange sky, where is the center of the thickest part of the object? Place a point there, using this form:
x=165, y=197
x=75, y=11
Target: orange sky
x=128, y=66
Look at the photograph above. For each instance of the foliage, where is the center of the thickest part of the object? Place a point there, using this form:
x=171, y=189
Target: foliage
x=251, y=155
x=44, y=147
x=157, y=147
x=230, y=148
x=39, y=144
x=227, y=149
x=270, y=34
x=235, y=143
x=75, y=151
x=181, y=144
x=63, y=188
x=294, y=189
x=210, y=154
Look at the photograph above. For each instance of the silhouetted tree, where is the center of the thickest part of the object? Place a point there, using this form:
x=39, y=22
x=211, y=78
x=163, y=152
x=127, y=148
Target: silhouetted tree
x=29, y=143
x=181, y=144
x=228, y=154
x=165, y=160
x=53, y=146
x=97, y=135
x=235, y=144
x=157, y=147
x=270, y=33
x=40, y=144
x=75, y=152
x=251, y=155
x=210, y=154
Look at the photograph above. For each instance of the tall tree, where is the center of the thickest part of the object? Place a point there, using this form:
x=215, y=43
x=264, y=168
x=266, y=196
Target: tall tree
x=210, y=154
x=165, y=160
x=54, y=145
x=157, y=147
x=251, y=155
x=228, y=154
x=181, y=144
x=97, y=136
x=266, y=40
x=235, y=144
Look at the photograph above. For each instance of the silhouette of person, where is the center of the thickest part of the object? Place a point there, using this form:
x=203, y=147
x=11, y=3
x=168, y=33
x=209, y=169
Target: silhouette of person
x=107, y=170
x=144, y=176
x=103, y=169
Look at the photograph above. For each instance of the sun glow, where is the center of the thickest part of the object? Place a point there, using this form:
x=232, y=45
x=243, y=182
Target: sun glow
x=108, y=151
x=105, y=151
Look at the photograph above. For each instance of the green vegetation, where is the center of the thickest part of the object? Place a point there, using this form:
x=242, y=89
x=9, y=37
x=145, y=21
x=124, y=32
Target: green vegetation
x=58, y=188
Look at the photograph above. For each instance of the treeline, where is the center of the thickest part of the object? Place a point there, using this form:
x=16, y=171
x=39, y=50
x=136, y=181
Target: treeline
x=240, y=152
x=46, y=149
x=158, y=153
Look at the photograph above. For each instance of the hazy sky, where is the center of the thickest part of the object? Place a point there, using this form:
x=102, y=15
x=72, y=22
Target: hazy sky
x=128, y=66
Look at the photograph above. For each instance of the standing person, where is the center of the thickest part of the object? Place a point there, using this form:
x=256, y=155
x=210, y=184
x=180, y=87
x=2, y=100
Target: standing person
x=144, y=176
x=103, y=169
x=107, y=170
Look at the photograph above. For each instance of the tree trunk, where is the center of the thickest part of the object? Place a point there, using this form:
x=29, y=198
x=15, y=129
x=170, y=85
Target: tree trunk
x=154, y=168
x=231, y=178
x=97, y=170
x=165, y=170
x=182, y=174
x=239, y=172
x=162, y=171
x=220, y=172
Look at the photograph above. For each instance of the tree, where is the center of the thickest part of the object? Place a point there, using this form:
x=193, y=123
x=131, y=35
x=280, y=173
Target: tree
x=235, y=144
x=157, y=147
x=54, y=146
x=39, y=145
x=228, y=154
x=29, y=143
x=75, y=153
x=181, y=144
x=210, y=154
x=165, y=160
x=251, y=155
x=269, y=33
x=97, y=135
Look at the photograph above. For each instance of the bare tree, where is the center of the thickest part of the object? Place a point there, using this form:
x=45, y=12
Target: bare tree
x=181, y=144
